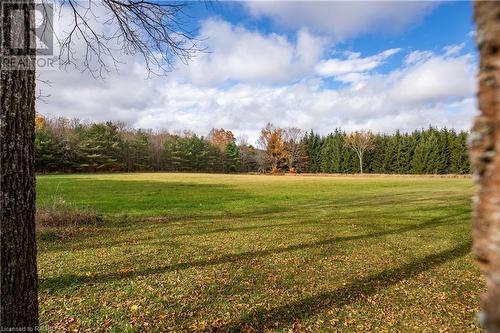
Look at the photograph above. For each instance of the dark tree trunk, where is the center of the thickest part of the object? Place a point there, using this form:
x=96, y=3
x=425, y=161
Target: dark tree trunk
x=18, y=290
x=485, y=141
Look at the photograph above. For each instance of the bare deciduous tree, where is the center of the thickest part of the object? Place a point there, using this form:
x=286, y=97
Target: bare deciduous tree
x=247, y=153
x=485, y=145
x=158, y=140
x=360, y=142
x=294, y=149
x=153, y=29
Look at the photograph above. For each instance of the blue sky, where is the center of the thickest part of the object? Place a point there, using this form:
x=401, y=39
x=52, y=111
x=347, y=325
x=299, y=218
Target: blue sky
x=447, y=23
x=372, y=65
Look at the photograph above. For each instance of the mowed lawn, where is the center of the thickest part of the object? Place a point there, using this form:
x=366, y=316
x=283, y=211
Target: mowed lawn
x=197, y=252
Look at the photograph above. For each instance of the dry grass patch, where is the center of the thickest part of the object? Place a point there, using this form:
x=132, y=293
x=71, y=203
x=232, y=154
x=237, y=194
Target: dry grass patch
x=61, y=219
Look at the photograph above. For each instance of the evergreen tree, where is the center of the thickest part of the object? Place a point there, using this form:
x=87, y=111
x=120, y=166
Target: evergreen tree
x=337, y=150
x=232, y=157
x=313, y=143
x=180, y=154
x=47, y=150
x=390, y=154
x=376, y=157
x=215, y=158
x=101, y=148
x=141, y=152
x=405, y=154
x=327, y=154
x=460, y=154
x=425, y=159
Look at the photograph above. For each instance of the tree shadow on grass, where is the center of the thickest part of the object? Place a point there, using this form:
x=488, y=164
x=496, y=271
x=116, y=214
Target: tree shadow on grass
x=150, y=240
x=69, y=280
x=187, y=193
x=261, y=319
x=203, y=223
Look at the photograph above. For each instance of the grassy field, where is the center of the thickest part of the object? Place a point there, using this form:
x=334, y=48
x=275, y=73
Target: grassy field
x=194, y=252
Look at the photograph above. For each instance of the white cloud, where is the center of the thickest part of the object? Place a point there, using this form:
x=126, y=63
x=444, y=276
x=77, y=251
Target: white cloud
x=343, y=19
x=438, y=78
x=252, y=79
x=417, y=57
x=453, y=49
x=237, y=54
x=354, y=64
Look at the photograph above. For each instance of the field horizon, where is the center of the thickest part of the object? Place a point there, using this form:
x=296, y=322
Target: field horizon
x=254, y=253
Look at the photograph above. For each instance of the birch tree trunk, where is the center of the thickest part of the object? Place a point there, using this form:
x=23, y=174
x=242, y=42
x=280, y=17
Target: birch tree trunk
x=18, y=290
x=485, y=146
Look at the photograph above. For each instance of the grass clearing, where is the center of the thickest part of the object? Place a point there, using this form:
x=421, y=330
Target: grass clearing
x=198, y=252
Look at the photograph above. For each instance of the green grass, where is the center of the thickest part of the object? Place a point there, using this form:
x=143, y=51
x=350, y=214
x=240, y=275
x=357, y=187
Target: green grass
x=194, y=252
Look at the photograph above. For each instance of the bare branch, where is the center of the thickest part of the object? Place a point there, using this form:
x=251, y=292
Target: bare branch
x=40, y=96
x=157, y=31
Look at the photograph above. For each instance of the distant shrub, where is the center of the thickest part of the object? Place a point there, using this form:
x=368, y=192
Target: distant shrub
x=61, y=220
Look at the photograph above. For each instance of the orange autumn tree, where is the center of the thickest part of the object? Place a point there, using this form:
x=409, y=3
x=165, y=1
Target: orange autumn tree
x=272, y=141
x=221, y=137
x=39, y=121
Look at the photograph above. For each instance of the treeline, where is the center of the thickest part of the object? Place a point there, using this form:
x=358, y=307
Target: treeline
x=64, y=145
x=429, y=151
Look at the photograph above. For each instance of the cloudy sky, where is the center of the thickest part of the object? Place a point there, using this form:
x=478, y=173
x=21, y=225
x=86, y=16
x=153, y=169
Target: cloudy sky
x=315, y=65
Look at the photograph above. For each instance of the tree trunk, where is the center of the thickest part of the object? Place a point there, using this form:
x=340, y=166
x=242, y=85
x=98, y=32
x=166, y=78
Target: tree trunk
x=360, y=163
x=18, y=290
x=485, y=143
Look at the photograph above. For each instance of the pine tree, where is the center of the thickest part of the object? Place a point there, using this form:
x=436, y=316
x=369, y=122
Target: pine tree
x=327, y=154
x=404, y=155
x=390, y=154
x=141, y=152
x=460, y=154
x=376, y=157
x=46, y=151
x=313, y=145
x=101, y=148
x=426, y=158
x=232, y=157
x=419, y=160
x=337, y=148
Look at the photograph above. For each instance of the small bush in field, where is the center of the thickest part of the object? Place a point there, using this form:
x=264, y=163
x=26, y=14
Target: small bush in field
x=61, y=219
